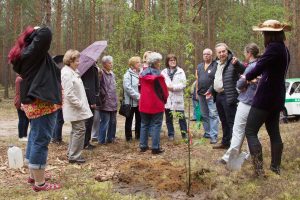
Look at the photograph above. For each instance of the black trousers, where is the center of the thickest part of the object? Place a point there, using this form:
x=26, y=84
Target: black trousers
x=23, y=123
x=57, y=134
x=88, y=129
x=258, y=117
x=128, y=124
x=170, y=126
x=227, y=114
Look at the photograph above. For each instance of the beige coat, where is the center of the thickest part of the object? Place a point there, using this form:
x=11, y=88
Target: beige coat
x=75, y=103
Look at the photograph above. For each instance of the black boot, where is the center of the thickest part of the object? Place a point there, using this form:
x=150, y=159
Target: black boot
x=276, y=152
x=257, y=159
x=157, y=151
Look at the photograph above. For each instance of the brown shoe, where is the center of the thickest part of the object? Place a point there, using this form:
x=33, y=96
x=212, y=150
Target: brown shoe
x=221, y=146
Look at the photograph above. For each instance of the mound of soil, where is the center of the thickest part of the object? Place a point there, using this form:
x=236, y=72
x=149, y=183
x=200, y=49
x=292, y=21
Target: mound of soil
x=159, y=174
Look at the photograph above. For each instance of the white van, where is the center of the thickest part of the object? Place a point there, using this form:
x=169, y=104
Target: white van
x=292, y=97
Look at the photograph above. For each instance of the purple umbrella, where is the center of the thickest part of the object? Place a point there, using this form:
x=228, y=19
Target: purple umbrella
x=90, y=55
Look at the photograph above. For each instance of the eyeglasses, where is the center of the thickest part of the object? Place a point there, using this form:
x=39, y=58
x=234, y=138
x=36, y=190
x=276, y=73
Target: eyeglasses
x=207, y=54
x=172, y=60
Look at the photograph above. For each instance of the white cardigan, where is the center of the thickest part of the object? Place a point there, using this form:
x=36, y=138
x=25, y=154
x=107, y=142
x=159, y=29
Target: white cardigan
x=176, y=97
x=75, y=103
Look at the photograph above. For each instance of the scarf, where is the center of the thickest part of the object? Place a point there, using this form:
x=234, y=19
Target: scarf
x=171, y=74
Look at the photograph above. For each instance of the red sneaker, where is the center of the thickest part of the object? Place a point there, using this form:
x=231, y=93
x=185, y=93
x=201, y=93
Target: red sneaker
x=31, y=180
x=46, y=187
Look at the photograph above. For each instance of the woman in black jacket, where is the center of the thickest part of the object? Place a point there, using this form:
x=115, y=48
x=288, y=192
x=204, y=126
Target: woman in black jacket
x=269, y=98
x=41, y=98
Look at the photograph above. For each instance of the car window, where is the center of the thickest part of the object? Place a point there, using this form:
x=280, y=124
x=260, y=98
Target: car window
x=287, y=84
x=295, y=87
x=297, y=90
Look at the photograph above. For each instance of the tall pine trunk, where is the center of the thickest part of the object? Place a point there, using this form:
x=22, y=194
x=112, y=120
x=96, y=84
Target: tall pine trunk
x=93, y=23
x=6, y=50
x=58, y=46
x=75, y=24
x=48, y=12
x=38, y=16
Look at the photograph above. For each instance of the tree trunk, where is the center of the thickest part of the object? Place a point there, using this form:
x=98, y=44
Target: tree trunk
x=166, y=7
x=75, y=24
x=15, y=31
x=111, y=18
x=138, y=5
x=208, y=25
x=21, y=18
x=48, y=12
x=199, y=33
x=58, y=47
x=147, y=8
x=181, y=10
x=138, y=9
x=295, y=62
x=38, y=17
x=84, y=36
x=93, y=23
x=69, y=20
x=6, y=49
x=99, y=23
x=1, y=46
x=153, y=5
x=292, y=10
x=105, y=20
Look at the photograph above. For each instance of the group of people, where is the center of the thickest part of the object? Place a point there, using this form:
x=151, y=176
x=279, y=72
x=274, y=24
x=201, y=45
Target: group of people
x=246, y=96
x=242, y=96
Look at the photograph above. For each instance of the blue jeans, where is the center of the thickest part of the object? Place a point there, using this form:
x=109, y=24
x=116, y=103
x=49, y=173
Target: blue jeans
x=209, y=114
x=153, y=123
x=170, y=126
x=23, y=123
x=108, y=126
x=39, y=138
x=57, y=134
x=96, y=124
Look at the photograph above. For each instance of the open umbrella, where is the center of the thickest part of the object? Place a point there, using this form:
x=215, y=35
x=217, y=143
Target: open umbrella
x=90, y=55
x=58, y=59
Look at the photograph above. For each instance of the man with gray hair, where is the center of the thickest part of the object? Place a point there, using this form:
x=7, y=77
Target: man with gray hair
x=224, y=91
x=108, y=102
x=205, y=76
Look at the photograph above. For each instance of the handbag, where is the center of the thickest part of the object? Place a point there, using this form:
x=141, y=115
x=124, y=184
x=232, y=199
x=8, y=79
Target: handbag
x=125, y=109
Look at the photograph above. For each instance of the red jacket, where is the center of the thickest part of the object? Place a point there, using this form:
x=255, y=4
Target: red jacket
x=154, y=94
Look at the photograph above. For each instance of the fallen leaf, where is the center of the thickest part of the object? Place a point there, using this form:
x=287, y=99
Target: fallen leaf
x=51, y=168
x=22, y=170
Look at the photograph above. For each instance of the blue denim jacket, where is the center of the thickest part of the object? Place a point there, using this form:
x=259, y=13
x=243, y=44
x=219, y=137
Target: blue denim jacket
x=247, y=91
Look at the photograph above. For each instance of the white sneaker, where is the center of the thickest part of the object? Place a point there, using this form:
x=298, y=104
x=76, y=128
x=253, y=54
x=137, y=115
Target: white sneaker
x=23, y=139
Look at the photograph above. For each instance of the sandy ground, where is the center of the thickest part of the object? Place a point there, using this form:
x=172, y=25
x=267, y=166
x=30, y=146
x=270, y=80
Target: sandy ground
x=9, y=125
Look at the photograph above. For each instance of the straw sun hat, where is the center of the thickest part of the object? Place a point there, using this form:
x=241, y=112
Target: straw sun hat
x=272, y=25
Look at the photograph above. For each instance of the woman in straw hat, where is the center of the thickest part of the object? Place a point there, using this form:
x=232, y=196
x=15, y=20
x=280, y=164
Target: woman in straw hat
x=270, y=95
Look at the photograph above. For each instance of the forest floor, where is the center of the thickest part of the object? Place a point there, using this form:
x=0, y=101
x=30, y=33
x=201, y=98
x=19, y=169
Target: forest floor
x=120, y=171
